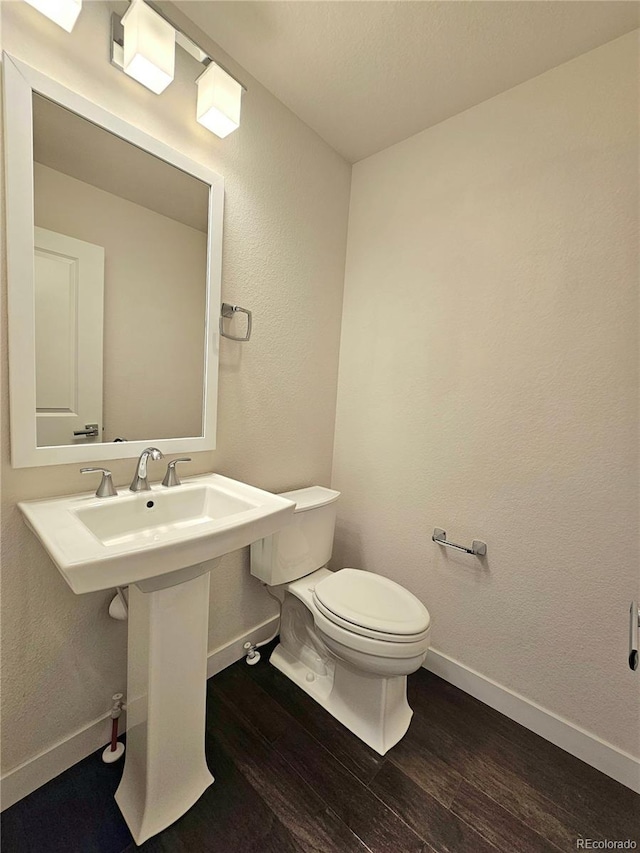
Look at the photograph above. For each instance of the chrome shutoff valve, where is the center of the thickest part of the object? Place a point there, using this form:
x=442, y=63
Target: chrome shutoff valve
x=253, y=655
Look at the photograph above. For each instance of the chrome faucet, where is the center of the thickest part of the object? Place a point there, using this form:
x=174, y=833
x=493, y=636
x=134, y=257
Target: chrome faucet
x=140, y=482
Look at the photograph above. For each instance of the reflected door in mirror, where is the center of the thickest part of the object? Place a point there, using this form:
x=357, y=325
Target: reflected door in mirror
x=69, y=298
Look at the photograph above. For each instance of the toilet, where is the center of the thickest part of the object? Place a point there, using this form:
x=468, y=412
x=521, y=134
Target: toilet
x=348, y=638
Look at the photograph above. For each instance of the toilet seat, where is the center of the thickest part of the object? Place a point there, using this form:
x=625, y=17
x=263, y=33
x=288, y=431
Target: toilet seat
x=414, y=647
x=372, y=606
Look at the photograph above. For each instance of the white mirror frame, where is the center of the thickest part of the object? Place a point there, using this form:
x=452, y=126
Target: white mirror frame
x=20, y=81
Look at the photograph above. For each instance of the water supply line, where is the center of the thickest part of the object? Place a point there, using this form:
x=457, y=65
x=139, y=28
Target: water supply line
x=115, y=750
x=251, y=649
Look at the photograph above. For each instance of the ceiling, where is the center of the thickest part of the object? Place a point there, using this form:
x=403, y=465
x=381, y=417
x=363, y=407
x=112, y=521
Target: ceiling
x=366, y=74
x=75, y=146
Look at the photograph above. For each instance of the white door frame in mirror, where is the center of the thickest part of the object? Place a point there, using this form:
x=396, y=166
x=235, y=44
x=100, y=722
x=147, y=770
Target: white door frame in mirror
x=20, y=82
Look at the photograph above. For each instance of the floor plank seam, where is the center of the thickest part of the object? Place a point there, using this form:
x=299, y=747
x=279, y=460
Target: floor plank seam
x=510, y=812
x=233, y=709
x=515, y=742
x=314, y=737
x=353, y=832
x=255, y=787
x=552, y=808
x=429, y=848
x=409, y=828
x=321, y=747
x=500, y=849
x=274, y=743
x=324, y=749
x=420, y=785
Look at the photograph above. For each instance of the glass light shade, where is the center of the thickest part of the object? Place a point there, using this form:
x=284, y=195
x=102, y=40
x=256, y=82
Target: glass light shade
x=149, y=47
x=219, y=98
x=63, y=12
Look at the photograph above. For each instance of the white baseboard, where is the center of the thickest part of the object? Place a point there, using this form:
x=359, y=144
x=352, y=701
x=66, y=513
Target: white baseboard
x=36, y=771
x=606, y=757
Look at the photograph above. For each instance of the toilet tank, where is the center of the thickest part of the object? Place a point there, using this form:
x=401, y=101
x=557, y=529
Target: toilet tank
x=304, y=545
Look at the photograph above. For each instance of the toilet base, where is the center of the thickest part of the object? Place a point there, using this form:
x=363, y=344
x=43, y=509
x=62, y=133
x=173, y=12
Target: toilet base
x=374, y=708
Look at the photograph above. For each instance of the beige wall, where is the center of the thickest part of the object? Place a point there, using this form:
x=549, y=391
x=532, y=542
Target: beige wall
x=488, y=384
x=287, y=196
x=154, y=305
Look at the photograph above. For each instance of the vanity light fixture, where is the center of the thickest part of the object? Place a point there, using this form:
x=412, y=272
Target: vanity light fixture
x=219, y=98
x=219, y=93
x=62, y=12
x=149, y=47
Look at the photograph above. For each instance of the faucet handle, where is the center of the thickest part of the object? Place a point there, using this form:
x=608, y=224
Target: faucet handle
x=171, y=477
x=106, y=488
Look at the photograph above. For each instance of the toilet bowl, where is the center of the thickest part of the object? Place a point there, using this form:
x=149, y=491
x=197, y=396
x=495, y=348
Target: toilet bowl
x=348, y=638
x=371, y=622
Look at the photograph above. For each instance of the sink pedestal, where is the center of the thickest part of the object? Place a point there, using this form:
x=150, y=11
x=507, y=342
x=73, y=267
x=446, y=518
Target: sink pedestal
x=165, y=769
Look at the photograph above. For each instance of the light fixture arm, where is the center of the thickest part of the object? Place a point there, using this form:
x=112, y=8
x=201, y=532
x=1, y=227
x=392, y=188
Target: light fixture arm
x=183, y=40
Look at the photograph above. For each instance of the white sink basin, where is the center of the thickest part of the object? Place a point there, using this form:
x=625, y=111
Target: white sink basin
x=146, y=537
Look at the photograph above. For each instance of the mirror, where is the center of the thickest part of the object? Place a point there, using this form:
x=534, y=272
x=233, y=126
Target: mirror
x=114, y=244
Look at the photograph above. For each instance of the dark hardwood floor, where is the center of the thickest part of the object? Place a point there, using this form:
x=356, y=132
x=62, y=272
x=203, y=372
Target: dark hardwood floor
x=465, y=779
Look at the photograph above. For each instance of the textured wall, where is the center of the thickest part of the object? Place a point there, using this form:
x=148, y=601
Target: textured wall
x=287, y=196
x=154, y=305
x=488, y=383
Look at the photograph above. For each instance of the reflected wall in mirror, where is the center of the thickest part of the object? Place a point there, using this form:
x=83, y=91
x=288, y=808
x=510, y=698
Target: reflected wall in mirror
x=114, y=244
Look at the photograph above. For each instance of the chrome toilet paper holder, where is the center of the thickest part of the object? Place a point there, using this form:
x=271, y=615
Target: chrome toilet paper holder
x=478, y=548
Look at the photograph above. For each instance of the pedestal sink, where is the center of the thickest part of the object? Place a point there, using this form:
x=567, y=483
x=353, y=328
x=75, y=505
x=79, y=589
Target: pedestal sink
x=161, y=543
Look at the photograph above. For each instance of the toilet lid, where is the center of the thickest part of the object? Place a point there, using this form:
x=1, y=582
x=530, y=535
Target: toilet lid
x=373, y=602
